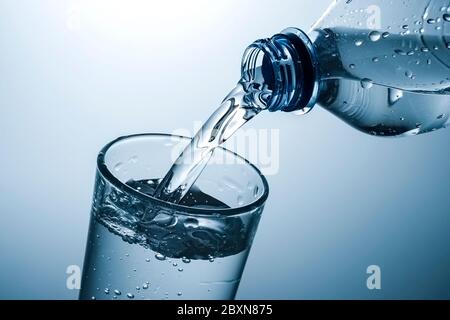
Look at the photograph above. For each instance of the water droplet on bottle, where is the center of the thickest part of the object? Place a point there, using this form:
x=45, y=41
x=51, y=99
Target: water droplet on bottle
x=374, y=36
x=147, y=260
x=191, y=223
x=106, y=291
x=145, y=286
x=185, y=260
x=424, y=49
x=446, y=17
x=402, y=119
x=375, y=59
x=366, y=83
x=405, y=27
x=409, y=74
x=117, y=292
x=394, y=96
x=352, y=66
x=400, y=52
x=93, y=298
x=440, y=116
x=180, y=269
x=118, y=166
x=160, y=257
x=431, y=21
x=138, y=288
x=447, y=45
x=358, y=42
x=174, y=264
x=130, y=296
x=385, y=35
x=179, y=294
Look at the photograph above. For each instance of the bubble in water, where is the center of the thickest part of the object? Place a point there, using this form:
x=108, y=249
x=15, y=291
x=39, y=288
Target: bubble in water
x=117, y=292
x=366, y=83
x=165, y=220
x=374, y=36
x=185, y=260
x=358, y=42
x=130, y=296
x=446, y=17
x=191, y=223
x=160, y=257
x=106, y=291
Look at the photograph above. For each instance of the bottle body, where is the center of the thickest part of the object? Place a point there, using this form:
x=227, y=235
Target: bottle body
x=385, y=70
x=381, y=66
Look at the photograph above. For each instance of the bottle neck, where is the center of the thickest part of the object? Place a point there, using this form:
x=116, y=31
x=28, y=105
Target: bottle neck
x=285, y=67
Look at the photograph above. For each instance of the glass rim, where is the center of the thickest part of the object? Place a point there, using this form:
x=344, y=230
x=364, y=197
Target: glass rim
x=181, y=209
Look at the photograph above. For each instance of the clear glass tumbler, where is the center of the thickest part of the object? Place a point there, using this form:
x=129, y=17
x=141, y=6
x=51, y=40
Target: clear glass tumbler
x=140, y=247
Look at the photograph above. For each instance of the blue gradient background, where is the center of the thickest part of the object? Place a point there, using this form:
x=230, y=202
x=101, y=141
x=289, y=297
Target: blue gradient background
x=341, y=201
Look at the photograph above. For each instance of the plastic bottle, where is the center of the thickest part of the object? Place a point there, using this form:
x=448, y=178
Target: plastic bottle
x=382, y=66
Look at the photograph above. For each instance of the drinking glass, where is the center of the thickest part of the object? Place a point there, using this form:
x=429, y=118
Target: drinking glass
x=140, y=247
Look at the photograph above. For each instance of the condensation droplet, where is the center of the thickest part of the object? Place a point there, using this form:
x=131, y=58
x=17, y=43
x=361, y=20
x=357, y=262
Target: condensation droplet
x=366, y=83
x=374, y=36
x=358, y=42
x=117, y=292
x=118, y=166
